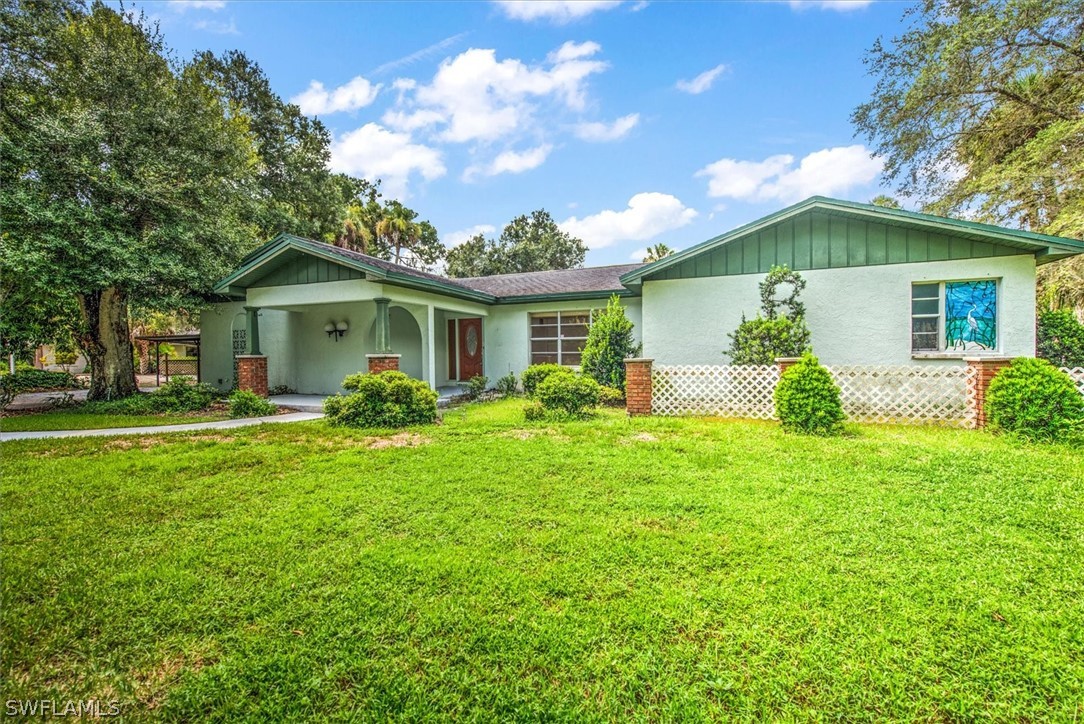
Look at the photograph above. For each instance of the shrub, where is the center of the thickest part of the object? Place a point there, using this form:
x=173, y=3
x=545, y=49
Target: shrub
x=534, y=411
x=476, y=386
x=609, y=343
x=1060, y=338
x=248, y=404
x=610, y=396
x=807, y=399
x=1036, y=400
x=31, y=379
x=179, y=395
x=506, y=385
x=533, y=376
x=568, y=393
x=387, y=399
x=781, y=331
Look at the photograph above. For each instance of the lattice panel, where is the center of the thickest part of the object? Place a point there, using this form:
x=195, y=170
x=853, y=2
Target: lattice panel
x=719, y=390
x=913, y=395
x=1076, y=374
x=905, y=395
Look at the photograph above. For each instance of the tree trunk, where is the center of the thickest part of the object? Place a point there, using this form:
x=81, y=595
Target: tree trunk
x=107, y=344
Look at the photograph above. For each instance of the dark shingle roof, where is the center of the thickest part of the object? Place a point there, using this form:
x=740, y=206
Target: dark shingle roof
x=561, y=281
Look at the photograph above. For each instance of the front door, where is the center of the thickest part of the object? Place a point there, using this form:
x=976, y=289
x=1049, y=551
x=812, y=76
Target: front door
x=470, y=348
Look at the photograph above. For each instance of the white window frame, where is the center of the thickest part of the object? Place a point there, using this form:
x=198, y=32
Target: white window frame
x=942, y=348
x=560, y=338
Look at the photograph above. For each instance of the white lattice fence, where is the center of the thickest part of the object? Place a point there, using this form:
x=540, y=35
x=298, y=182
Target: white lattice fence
x=915, y=395
x=1076, y=374
x=908, y=395
x=722, y=390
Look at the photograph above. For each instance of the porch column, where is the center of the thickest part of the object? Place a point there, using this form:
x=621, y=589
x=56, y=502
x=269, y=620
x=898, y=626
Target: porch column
x=431, y=335
x=383, y=326
x=252, y=330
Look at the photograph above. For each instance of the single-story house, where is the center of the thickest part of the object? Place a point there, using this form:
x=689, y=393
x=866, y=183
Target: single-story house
x=884, y=286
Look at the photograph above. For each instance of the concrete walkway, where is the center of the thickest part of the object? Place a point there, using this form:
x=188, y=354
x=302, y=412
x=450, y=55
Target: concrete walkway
x=160, y=429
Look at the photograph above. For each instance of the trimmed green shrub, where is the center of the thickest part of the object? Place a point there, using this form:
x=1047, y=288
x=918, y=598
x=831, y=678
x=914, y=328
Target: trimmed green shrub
x=244, y=403
x=533, y=376
x=1035, y=400
x=568, y=393
x=506, y=385
x=534, y=411
x=387, y=399
x=807, y=399
x=610, y=396
x=476, y=386
x=609, y=343
x=1059, y=337
x=180, y=395
x=31, y=379
x=781, y=331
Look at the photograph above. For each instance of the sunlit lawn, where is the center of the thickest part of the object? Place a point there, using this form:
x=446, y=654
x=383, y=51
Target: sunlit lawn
x=492, y=569
x=73, y=419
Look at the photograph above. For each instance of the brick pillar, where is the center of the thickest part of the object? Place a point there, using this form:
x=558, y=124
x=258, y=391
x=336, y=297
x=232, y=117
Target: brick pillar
x=983, y=370
x=252, y=373
x=638, y=386
x=785, y=362
x=382, y=362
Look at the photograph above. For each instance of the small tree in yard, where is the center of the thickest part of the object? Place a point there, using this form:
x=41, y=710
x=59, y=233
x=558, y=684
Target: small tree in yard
x=779, y=329
x=609, y=344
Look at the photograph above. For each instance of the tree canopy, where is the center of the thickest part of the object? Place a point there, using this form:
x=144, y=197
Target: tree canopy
x=527, y=243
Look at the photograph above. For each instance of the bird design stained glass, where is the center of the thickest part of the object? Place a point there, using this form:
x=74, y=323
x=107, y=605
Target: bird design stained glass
x=971, y=315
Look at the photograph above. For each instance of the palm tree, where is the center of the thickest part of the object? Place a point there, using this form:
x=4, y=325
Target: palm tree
x=656, y=252
x=398, y=229
x=355, y=234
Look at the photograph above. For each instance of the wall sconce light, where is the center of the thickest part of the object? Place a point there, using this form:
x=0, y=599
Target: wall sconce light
x=337, y=330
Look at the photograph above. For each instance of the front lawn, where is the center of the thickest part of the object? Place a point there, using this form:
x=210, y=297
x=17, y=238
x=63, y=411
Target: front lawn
x=492, y=569
x=74, y=419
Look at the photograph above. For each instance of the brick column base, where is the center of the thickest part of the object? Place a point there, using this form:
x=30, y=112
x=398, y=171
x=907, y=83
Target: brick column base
x=983, y=370
x=382, y=362
x=786, y=362
x=638, y=386
x=252, y=373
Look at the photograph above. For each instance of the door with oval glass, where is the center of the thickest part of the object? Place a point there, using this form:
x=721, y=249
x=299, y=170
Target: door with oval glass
x=470, y=348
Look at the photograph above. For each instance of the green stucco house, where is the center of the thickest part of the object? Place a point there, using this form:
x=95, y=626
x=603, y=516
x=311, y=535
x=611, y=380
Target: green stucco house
x=885, y=286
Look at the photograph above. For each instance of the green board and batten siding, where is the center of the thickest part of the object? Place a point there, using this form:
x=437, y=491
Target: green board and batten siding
x=825, y=241
x=302, y=269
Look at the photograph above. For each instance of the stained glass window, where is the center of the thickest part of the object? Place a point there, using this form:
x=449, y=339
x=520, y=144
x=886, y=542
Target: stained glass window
x=971, y=315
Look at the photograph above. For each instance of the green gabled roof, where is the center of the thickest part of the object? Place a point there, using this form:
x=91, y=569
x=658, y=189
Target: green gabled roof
x=254, y=266
x=1043, y=246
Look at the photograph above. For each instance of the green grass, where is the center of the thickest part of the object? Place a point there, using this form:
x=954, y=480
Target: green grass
x=75, y=420
x=659, y=569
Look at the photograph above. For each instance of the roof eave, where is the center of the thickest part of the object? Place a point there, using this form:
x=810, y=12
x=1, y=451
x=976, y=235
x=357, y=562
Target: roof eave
x=564, y=296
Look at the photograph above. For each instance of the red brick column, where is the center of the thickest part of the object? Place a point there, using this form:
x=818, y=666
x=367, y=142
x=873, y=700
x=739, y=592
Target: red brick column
x=382, y=362
x=638, y=386
x=983, y=370
x=252, y=373
x=785, y=362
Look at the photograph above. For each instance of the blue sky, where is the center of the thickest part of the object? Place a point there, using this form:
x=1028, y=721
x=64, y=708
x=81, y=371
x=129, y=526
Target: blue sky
x=631, y=122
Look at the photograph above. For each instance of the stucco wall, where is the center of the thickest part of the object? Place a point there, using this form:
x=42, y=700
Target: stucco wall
x=860, y=315
x=506, y=335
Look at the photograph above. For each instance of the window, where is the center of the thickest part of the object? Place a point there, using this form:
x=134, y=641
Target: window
x=558, y=337
x=954, y=316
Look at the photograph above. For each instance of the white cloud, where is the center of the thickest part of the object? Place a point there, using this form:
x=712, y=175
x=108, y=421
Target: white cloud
x=638, y=255
x=373, y=152
x=647, y=216
x=839, y=5
x=475, y=97
x=600, y=132
x=417, y=55
x=219, y=28
x=827, y=172
x=511, y=162
x=458, y=237
x=350, y=96
x=556, y=11
x=702, y=82
x=183, y=5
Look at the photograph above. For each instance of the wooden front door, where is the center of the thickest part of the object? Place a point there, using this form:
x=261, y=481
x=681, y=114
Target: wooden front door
x=470, y=348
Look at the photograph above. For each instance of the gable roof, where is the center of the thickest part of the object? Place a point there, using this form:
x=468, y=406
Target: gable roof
x=1045, y=247
x=600, y=281
x=588, y=283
